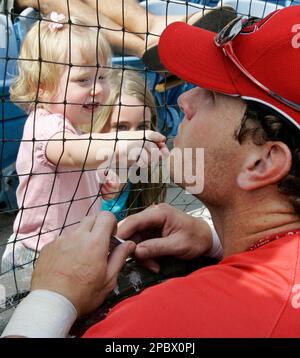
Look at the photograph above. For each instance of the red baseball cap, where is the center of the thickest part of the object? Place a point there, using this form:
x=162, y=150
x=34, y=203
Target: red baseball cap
x=270, y=53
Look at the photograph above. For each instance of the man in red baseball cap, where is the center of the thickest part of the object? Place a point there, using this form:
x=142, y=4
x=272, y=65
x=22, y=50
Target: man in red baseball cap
x=256, y=60
x=245, y=113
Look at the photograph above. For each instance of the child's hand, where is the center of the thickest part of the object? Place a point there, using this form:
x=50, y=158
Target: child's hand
x=110, y=190
x=143, y=147
x=110, y=185
x=140, y=147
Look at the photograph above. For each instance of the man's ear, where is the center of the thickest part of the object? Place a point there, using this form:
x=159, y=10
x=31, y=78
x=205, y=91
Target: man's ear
x=265, y=165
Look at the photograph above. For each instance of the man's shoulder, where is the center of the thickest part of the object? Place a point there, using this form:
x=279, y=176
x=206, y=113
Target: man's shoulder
x=230, y=299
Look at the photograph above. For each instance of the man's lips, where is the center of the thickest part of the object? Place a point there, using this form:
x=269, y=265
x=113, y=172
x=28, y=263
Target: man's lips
x=175, y=140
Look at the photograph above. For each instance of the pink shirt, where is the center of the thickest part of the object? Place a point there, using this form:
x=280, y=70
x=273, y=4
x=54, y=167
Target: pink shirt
x=49, y=201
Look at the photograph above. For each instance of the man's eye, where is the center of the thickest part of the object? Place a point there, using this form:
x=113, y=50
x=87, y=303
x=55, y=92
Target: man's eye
x=102, y=77
x=212, y=94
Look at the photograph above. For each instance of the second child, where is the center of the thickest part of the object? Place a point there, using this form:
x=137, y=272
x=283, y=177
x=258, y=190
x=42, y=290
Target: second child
x=130, y=107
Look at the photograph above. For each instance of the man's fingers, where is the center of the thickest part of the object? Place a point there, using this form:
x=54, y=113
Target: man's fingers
x=155, y=248
x=144, y=220
x=86, y=225
x=104, y=227
x=118, y=258
x=150, y=265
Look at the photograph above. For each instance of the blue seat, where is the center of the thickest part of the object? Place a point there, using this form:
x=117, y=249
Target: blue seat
x=176, y=7
x=12, y=118
x=256, y=8
x=168, y=116
x=8, y=49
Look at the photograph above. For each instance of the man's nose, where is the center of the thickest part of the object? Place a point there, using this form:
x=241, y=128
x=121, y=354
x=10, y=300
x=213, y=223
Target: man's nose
x=186, y=103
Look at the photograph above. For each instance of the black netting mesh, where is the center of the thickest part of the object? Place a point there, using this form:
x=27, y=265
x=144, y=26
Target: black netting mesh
x=15, y=22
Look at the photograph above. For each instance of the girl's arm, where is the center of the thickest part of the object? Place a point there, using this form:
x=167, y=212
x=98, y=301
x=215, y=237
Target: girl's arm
x=70, y=150
x=76, y=8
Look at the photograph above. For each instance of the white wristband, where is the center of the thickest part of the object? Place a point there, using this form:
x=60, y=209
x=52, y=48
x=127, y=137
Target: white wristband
x=216, y=251
x=42, y=314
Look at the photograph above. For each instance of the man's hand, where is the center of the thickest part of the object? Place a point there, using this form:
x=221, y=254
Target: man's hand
x=166, y=231
x=77, y=265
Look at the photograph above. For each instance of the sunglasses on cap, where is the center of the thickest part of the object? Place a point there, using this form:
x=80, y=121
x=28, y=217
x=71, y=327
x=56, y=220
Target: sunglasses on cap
x=224, y=39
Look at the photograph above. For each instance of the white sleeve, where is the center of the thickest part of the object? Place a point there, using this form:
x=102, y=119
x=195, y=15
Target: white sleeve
x=42, y=314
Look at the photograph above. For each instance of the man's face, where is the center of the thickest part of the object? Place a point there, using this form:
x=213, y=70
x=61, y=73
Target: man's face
x=210, y=120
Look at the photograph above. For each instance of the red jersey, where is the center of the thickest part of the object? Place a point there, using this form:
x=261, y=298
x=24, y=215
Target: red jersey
x=250, y=294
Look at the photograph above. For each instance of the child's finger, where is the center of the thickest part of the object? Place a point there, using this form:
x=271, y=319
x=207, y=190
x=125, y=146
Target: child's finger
x=108, y=192
x=165, y=151
x=143, y=159
x=155, y=136
x=163, y=148
x=153, y=152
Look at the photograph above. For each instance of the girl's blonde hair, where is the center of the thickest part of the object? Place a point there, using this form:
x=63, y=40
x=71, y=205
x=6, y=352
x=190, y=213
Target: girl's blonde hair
x=141, y=195
x=130, y=82
x=45, y=53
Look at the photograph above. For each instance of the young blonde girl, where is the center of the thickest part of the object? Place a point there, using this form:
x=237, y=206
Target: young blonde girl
x=62, y=84
x=130, y=106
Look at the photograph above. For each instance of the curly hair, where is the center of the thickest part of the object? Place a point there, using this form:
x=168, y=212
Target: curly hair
x=45, y=54
x=261, y=124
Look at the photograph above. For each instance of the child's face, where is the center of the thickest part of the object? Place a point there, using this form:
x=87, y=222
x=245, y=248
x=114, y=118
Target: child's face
x=131, y=116
x=84, y=90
